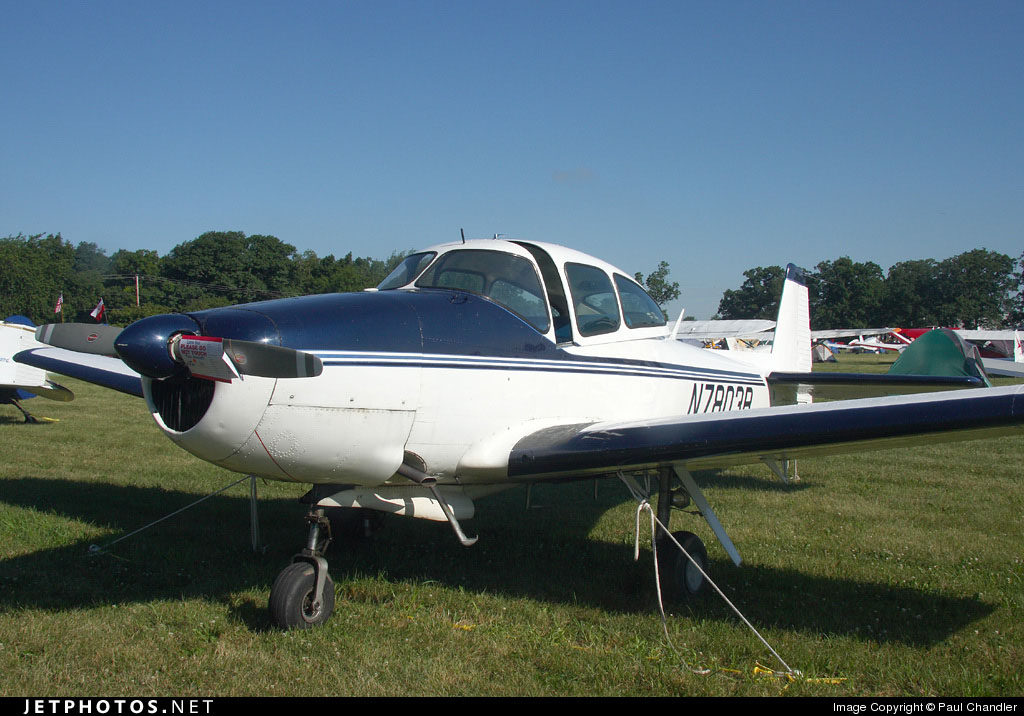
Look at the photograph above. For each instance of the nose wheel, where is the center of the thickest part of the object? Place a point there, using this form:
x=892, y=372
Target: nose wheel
x=303, y=593
x=293, y=598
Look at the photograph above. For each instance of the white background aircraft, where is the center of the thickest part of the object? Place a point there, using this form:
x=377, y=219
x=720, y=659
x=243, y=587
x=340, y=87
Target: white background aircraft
x=482, y=365
x=18, y=381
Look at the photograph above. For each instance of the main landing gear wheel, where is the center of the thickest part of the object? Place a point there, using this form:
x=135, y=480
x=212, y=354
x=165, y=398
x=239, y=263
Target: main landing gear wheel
x=680, y=579
x=292, y=602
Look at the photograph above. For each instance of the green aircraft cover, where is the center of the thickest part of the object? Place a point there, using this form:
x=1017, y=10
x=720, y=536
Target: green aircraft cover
x=940, y=352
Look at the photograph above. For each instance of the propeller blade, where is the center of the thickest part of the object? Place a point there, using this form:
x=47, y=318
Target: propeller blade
x=204, y=356
x=97, y=338
x=270, y=361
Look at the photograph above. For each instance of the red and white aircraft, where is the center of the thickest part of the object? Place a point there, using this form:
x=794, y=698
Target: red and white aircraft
x=482, y=365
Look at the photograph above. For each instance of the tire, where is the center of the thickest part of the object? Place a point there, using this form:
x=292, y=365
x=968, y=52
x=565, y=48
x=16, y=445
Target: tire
x=291, y=598
x=680, y=580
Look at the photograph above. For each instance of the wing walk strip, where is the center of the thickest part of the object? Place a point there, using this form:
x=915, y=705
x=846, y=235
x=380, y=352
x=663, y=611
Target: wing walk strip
x=605, y=367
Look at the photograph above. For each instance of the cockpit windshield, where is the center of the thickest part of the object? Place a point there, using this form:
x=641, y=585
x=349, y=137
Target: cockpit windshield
x=507, y=279
x=406, y=271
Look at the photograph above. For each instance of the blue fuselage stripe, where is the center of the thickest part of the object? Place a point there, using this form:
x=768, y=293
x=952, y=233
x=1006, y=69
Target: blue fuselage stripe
x=632, y=369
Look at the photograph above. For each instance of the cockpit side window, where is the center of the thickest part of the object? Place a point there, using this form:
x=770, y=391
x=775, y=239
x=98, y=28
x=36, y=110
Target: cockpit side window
x=406, y=271
x=597, y=309
x=556, y=292
x=638, y=308
x=504, y=278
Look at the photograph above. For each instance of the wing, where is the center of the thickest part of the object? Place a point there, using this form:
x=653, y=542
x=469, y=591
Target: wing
x=789, y=432
x=1004, y=367
x=848, y=333
x=715, y=330
x=102, y=370
x=46, y=389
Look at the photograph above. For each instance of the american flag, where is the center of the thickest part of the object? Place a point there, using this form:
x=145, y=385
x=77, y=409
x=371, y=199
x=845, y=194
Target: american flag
x=60, y=304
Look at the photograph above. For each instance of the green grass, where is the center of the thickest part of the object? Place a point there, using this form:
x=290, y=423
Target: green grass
x=883, y=573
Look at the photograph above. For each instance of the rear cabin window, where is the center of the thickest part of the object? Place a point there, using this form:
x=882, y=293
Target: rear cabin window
x=597, y=309
x=407, y=270
x=506, y=279
x=639, y=309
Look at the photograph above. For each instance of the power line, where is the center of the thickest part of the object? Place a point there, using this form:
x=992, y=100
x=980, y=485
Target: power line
x=212, y=286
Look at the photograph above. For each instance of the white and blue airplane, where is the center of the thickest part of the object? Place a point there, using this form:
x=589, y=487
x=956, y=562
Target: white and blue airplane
x=20, y=382
x=485, y=364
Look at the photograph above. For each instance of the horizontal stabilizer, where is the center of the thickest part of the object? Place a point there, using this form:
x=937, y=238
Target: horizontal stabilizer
x=846, y=386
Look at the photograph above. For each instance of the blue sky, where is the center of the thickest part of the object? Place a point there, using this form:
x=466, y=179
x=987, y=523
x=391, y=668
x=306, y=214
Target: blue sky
x=717, y=136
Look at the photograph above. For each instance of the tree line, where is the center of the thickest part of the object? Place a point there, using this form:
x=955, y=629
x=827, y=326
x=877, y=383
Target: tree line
x=975, y=289
x=218, y=268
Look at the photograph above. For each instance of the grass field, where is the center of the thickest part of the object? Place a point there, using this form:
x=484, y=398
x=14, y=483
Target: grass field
x=884, y=573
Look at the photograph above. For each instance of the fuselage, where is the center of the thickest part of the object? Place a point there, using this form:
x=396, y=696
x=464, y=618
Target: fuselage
x=444, y=369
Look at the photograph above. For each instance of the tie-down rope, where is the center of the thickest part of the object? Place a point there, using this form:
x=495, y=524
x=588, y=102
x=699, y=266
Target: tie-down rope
x=645, y=504
x=96, y=549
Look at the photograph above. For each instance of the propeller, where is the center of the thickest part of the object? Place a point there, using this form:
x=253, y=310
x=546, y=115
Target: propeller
x=97, y=339
x=167, y=345
x=205, y=358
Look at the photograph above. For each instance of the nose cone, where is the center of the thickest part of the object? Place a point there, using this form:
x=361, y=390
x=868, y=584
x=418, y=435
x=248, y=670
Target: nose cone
x=143, y=345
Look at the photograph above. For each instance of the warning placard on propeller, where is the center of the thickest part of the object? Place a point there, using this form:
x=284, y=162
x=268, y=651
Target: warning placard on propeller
x=204, y=357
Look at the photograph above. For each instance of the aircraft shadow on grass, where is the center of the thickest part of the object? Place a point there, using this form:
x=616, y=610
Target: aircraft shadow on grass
x=542, y=554
x=11, y=420
x=747, y=482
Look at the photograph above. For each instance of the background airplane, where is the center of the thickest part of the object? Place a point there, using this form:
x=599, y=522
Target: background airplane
x=20, y=382
x=743, y=334
x=482, y=365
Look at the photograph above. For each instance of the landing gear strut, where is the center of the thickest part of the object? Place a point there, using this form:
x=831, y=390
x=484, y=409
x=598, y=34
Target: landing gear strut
x=28, y=416
x=680, y=577
x=303, y=593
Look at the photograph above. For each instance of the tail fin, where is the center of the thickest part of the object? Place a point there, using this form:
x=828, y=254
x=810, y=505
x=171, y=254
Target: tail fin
x=791, y=349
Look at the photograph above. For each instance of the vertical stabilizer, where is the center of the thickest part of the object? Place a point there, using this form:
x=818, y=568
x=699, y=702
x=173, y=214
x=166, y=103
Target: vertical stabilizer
x=791, y=349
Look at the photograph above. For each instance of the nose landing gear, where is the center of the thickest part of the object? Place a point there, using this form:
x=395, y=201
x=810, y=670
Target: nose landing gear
x=303, y=593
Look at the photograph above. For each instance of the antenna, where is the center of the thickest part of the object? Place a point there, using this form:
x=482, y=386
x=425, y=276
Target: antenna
x=463, y=232
x=679, y=322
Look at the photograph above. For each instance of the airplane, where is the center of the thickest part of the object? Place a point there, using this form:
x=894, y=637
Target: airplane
x=715, y=329
x=20, y=382
x=759, y=328
x=1013, y=364
x=746, y=334
x=874, y=345
x=482, y=365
